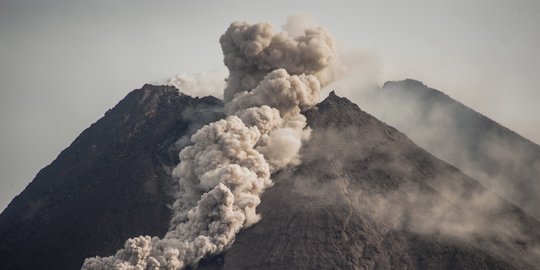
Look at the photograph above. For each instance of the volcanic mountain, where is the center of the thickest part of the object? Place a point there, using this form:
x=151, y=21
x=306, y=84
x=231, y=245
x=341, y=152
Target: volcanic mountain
x=491, y=153
x=113, y=182
x=364, y=197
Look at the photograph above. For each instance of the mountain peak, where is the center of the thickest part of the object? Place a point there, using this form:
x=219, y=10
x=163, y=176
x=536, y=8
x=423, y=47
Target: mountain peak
x=332, y=94
x=333, y=97
x=410, y=82
x=339, y=112
x=112, y=183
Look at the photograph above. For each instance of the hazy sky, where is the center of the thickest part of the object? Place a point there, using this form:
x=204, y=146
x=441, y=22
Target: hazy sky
x=64, y=63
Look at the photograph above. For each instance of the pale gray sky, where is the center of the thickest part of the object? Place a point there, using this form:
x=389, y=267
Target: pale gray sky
x=64, y=63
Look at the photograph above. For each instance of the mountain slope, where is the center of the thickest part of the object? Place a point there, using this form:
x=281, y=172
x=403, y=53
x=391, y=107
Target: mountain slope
x=349, y=206
x=477, y=145
x=110, y=184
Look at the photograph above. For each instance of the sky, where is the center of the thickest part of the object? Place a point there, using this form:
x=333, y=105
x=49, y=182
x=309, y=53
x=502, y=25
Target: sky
x=63, y=63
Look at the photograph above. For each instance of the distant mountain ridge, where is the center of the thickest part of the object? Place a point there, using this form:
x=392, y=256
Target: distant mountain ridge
x=358, y=201
x=495, y=155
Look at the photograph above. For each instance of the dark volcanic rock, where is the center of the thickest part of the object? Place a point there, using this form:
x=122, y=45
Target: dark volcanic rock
x=110, y=184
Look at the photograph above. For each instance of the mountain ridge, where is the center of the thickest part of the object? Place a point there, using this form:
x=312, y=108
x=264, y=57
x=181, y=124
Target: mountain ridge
x=420, y=86
x=497, y=156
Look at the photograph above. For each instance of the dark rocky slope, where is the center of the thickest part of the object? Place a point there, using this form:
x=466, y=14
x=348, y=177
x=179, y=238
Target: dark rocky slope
x=110, y=184
x=113, y=183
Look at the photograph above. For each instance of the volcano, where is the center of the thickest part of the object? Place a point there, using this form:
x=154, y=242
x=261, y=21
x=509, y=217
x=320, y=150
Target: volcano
x=79, y=205
x=482, y=148
x=364, y=197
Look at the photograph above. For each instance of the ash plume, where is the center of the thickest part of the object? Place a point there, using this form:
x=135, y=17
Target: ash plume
x=272, y=78
x=252, y=51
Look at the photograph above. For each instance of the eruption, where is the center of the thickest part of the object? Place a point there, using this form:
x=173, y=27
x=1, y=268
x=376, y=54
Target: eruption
x=272, y=78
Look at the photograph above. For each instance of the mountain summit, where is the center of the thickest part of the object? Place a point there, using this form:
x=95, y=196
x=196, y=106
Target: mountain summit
x=364, y=197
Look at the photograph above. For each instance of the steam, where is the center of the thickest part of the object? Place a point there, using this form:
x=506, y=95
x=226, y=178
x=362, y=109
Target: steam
x=272, y=78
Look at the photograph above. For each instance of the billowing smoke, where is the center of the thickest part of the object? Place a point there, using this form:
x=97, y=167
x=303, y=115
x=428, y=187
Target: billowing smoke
x=252, y=51
x=272, y=78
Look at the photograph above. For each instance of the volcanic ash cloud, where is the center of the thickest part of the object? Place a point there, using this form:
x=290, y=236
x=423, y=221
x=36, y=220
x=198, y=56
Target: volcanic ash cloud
x=272, y=78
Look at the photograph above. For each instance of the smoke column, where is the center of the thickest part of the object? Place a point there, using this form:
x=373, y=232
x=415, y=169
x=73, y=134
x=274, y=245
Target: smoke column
x=272, y=78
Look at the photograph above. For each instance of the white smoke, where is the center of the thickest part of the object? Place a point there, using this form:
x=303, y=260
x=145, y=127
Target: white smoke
x=200, y=84
x=272, y=78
